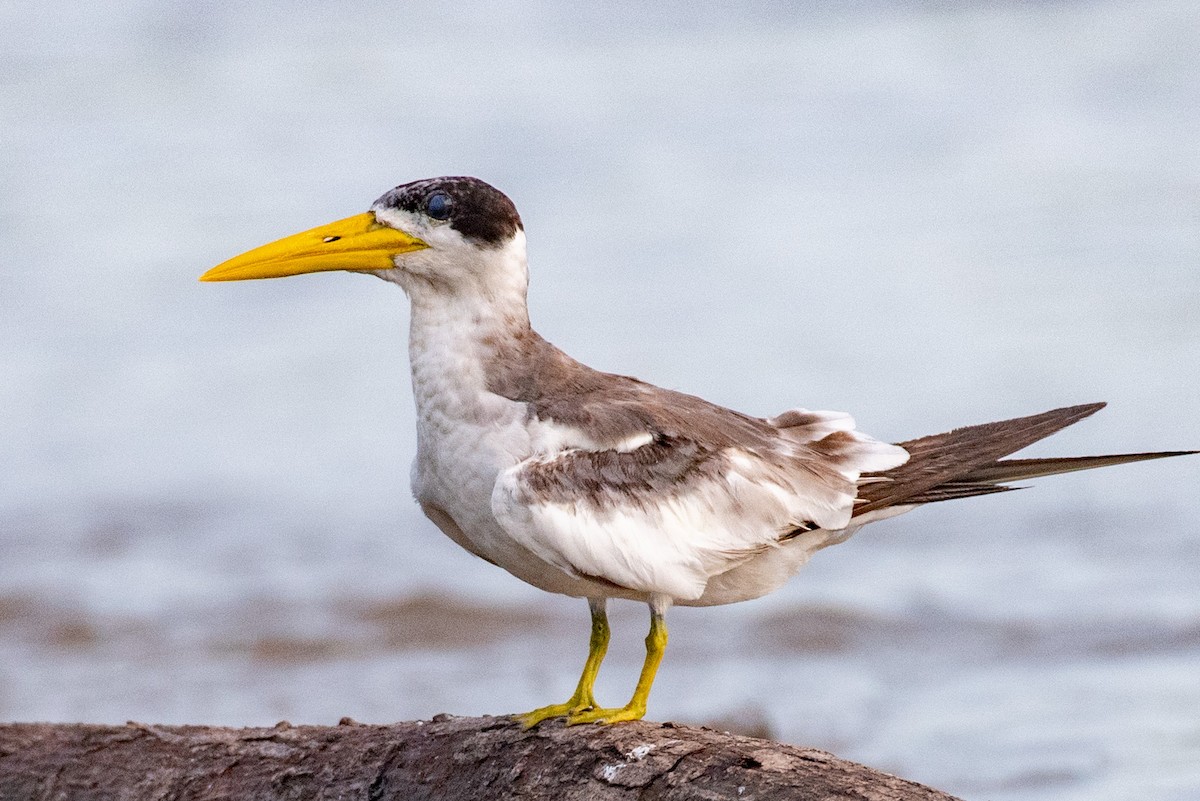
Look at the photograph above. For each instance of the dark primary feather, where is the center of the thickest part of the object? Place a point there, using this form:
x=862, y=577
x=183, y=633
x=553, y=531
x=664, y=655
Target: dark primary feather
x=1018, y=469
x=968, y=461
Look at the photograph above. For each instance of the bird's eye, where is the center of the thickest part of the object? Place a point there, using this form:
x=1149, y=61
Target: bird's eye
x=437, y=206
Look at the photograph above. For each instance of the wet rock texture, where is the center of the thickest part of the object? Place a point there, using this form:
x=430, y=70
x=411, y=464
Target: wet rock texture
x=446, y=758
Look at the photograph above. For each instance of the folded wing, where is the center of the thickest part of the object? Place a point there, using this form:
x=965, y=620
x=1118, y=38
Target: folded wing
x=668, y=515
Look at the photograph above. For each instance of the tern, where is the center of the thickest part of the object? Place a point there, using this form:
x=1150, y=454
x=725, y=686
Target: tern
x=601, y=486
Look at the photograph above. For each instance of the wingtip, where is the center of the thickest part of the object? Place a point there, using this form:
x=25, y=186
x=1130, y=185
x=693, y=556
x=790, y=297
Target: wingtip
x=1073, y=414
x=1087, y=409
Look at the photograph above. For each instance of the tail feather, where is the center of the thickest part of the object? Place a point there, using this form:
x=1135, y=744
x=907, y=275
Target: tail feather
x=1020, y=469
x=968, y=461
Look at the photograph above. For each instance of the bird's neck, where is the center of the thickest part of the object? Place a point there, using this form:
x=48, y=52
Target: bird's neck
x=454, y=345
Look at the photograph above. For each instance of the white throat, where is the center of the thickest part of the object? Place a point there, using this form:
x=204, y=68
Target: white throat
x=458, y=326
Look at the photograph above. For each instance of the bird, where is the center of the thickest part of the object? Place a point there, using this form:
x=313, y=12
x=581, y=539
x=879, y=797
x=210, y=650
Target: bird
x=601, y=486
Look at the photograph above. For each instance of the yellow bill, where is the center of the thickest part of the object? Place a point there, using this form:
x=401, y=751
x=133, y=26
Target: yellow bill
x=357, y=243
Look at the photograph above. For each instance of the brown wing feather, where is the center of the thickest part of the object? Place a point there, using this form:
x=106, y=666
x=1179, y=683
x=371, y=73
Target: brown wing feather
x=986, y=480
x=1019, y=469
x=954, y=490
x=942, y=459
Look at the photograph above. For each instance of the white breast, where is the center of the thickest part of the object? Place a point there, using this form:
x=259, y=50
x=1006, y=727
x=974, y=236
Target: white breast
x=466, y=437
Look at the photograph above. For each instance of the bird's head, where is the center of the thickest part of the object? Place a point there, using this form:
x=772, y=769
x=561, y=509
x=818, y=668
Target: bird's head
x=435, y=238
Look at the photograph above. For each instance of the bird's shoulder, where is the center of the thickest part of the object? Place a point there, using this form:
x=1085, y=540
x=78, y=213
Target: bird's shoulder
x=611, y=411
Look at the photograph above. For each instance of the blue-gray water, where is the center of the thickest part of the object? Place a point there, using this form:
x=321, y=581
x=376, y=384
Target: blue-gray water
x=928, y=214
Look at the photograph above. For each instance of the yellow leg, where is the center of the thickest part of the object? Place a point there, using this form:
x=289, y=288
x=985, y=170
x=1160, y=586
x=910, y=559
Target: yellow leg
x=656, y=644
x=582, y=699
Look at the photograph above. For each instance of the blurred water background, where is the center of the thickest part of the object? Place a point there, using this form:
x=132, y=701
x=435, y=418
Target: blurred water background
x=929, y=214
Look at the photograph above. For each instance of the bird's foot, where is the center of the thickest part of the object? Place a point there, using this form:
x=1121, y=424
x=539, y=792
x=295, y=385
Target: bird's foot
x=618, y=714
x=575, y=705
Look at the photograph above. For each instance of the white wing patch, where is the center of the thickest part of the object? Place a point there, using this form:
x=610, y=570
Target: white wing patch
x=670, y=546
x=551, y=437
x=833, y=435
x=730, y=506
